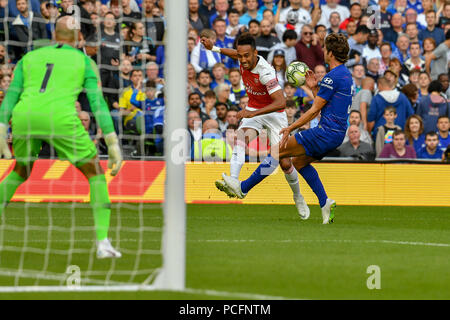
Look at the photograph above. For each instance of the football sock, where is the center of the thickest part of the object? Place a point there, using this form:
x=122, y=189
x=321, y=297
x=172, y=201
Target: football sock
x=101, y=205
x=237, y=159
x=8, y=187
x=312, y=178
x=291, y=176
x=267, y=166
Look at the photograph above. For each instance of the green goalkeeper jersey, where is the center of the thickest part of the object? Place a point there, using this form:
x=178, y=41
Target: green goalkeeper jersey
x=45, y=87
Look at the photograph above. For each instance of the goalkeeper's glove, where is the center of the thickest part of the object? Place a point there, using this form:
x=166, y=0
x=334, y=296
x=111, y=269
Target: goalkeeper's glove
x=4, y=149
x=114, y=153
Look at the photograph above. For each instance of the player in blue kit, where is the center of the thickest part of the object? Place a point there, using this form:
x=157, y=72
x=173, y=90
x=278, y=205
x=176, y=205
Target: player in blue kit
x=333, y=98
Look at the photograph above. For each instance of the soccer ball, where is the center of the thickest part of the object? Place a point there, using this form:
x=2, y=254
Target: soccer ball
x=296, y=73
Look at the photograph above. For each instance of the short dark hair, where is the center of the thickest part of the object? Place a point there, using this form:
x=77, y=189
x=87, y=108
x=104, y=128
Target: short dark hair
x=355, y=4
x=221, y=104
x=431, y=134
x=194, y=94
x=135, y=70
x=246, y=39
x=356, y=111
x=338, y=45
x=397, y=133
x=415, y=43
x=442, y=75
x=218, y=19
x=290, y=104
x=233, y=11
x=441, y=117
x=254, y=21
x=203, y=71
x=362, y=29
x=319, y=26
x=209, y=94
x=435, y=85
x=289, y=35
x=386, y=44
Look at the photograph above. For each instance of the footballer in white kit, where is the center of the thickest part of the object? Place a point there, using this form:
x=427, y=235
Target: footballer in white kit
x=265, y=111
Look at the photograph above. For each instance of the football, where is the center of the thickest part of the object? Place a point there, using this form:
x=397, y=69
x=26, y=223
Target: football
x=296, y=73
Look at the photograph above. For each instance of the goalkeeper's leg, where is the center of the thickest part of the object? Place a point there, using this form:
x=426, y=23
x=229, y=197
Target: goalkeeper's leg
x=10, y=184
x=101, y=207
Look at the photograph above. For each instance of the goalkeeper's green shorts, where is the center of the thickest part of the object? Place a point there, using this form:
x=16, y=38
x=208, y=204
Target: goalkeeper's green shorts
x=74, y=145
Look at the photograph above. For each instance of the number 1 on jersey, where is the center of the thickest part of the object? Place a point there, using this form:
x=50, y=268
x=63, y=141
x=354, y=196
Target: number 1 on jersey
x=47, y=76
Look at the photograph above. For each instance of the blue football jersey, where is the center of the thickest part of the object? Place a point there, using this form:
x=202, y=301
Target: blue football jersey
x=336, y=88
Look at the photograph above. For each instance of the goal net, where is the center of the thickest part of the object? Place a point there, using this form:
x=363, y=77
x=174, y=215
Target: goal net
x=47, y=230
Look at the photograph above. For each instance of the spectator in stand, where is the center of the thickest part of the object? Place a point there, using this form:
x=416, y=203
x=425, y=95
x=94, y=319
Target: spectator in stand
x=109, y=55
x=129, y=16
x=206, y=10
x=356, y=44
x=196, y=20
x=387, y=96
x=233, y=27
x=401, y=52
x=385, y=16
x=266, y=40
x=358, y=74
x=291, y=110
x=424, y=82
x=320, y=71
x=415, y=62
x=411, y=17
x=195, y=104
x=291, y=23
x=429, y=44
x=332, y=6
x=131, y=114
x=414, y=132
x=279, y=64
x=289, y=92
x=391, y=34
x=392, y=77
x=243, y=102
x=385, y=131
x=140, y=49
x=204, y=81
x=288, y=46
x=308, y=48
x=202, y=58
x=400, y=71
x=412, y=93
x=335, y=22
x=433, y=106
x=370, y=49
x=431, y=150
x=304, y=16
x=221, y=7
x=28, y=26
x=355, y=15
x=219, y=72
x=413, y=33
x=232, y=118
x=221, y=111
x=443, y=79
x=321, y=32
x=398, y=148
x=363, y=98
x=192, y=76
x=252, y=13
x=397, y=6
x=254, y=28
x=386, y=53
x=351, y=28
x=354, y=147
x=239, y=5
x=237, y=87
x=154, y=24
x=5, y=81
x=443, y=126
x=445, y=18
x=222, y=92
x=373, y=67
x=209, y=103
x=432, y=31
x=194, y=128
x=87, y=27
x=439, y=58
x=414, y=78
x=355, y=118
x=224, y=41
x=152, y=74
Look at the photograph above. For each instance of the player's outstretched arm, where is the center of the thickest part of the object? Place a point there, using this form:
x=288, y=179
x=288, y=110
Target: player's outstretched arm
x=101, y=112
x=232, y=53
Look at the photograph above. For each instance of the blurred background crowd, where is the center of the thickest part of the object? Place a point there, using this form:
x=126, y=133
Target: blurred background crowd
x=399, y=59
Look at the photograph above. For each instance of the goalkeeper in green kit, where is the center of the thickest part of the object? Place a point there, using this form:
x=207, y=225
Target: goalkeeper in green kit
x=40, y=103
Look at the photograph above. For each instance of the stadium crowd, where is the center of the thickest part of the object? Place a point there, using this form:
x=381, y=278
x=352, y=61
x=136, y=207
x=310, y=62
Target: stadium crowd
x=399, y=58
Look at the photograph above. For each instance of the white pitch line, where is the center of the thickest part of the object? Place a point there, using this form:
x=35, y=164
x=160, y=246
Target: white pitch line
x=251, y=296
x=398, y=242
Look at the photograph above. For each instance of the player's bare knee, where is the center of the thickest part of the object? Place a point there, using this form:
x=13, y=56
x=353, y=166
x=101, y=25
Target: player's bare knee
x=286, y=164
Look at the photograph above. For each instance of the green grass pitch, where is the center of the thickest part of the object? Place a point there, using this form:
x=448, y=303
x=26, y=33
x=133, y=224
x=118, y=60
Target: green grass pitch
x=253, y=251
